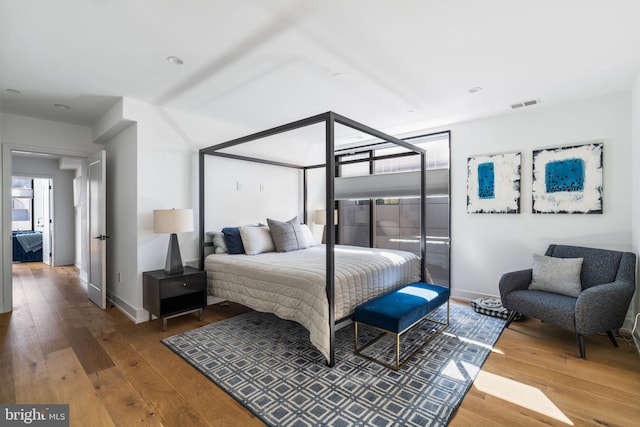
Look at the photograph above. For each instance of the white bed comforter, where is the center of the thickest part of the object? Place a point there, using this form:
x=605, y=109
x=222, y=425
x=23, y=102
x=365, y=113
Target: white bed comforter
x=292, y=285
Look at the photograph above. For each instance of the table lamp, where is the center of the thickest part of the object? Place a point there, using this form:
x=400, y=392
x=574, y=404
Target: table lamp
x=320, y=217
x=172, y=221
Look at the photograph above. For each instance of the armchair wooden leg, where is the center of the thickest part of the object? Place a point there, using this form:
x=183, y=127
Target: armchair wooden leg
x=512, y=315
x=583, y=353
x=612, y=338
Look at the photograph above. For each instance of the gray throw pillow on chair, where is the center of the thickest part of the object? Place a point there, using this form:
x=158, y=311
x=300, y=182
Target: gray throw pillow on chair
x=557, y=275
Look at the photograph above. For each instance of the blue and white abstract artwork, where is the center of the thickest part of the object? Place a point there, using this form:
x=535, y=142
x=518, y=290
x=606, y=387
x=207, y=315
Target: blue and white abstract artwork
x=568, y=179
x=493, y=183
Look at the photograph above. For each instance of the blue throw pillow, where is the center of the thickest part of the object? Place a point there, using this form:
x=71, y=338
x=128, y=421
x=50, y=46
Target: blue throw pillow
x=233, y=240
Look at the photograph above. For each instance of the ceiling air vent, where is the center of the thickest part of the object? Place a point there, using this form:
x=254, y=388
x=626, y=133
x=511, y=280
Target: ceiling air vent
x=525, y=103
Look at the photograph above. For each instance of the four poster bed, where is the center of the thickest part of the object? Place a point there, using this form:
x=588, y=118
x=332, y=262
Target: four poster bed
x=314, y=285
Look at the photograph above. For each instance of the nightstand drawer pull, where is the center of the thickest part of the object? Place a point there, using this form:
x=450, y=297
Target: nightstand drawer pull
x=184, y=284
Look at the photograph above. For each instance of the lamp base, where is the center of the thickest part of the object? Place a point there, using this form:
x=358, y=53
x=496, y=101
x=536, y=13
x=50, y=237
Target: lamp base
x=174, y=260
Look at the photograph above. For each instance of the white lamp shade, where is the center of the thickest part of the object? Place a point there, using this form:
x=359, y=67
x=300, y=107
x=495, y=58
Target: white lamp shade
x=320, y=216
x=170, y=221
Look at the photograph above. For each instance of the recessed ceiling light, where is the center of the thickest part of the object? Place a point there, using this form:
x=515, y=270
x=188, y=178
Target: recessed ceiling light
x=14, y=91
x=175, y=60
x=475, y=89
x=62, y=106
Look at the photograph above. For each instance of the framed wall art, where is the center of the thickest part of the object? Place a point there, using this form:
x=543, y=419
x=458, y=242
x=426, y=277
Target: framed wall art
x=493, y=183
x=568, y=179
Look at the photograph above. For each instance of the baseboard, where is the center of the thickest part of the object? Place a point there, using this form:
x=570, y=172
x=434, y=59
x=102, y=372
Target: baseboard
x=83, y=282
x=136, y=315
x=469, y=296
x=214, y=300
x=141, y=315
x=82, y=274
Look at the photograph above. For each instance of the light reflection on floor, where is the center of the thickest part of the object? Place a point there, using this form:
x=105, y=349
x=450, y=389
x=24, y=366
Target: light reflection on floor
x=515, y=392
x=519, y=394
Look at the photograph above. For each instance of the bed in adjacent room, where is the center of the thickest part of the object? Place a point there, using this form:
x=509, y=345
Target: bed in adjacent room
x=27, y=246
x=314, y=285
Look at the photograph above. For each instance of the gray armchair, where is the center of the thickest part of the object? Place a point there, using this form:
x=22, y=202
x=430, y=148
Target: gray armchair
x=608, y=281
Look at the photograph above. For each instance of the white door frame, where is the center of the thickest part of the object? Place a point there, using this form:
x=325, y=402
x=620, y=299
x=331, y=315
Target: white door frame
x=6, y=258
x=47, y=229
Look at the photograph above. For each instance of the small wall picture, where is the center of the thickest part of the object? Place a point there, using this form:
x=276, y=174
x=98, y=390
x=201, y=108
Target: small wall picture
x=568, y=179
x=493, y=183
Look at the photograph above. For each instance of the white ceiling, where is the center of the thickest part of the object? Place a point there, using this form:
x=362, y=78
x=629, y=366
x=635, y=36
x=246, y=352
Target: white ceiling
x=395, y=65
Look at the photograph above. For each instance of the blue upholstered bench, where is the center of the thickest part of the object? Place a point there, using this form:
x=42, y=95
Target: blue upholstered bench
x=397, y=311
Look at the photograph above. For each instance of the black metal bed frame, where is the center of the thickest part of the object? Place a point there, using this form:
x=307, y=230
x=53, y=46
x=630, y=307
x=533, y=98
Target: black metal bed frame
x=330, y=119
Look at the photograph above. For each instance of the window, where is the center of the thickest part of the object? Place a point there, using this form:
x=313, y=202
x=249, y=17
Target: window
x=436, y=146
x=22, y=204
x=394, y=222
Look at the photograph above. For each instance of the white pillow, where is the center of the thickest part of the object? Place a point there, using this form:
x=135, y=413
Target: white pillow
x=308, y=236
x=256, y=240
x=557, y=275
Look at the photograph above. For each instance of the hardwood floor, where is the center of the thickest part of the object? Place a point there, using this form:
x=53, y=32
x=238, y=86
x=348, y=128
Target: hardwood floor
x=57, y=347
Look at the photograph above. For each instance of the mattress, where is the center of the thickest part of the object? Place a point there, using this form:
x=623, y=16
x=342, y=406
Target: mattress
x=292, y=285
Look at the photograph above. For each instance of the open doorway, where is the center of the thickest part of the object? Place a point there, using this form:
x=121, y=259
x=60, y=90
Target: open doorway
x=45, y=203
x=69, y=235
x=31, y=219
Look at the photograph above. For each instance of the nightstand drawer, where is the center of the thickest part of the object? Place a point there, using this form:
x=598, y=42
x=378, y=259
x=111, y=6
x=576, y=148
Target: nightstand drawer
x=180, y=286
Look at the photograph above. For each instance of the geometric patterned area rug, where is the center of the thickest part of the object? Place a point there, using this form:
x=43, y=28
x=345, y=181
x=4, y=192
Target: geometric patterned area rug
x=269, y=366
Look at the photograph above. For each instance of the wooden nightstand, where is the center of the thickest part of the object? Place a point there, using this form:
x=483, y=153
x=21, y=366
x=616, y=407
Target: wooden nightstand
x=170, y=295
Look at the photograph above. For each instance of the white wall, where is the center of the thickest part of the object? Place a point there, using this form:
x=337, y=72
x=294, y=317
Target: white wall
x=316, y=192
x=235, y=196
x=484, y=246
x=47, y=136
x=122, y=260
x=635, y=191
x=63, y=210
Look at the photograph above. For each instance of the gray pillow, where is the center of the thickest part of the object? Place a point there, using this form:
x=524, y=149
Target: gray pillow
x=557, y=275
x=219, y=245
x=287, y=236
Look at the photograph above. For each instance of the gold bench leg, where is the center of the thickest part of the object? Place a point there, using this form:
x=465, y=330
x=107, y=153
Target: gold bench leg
x=399, y=364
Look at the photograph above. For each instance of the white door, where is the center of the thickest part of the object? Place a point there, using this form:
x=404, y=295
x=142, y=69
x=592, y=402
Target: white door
x=47, y=223
x=97, y=288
